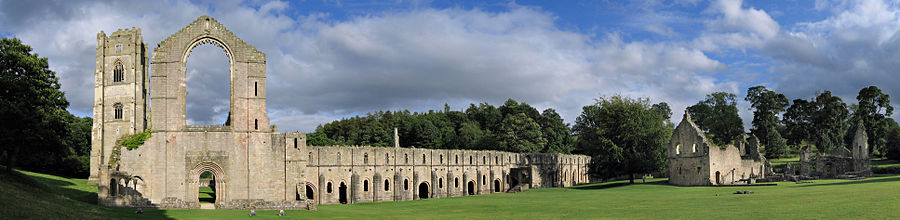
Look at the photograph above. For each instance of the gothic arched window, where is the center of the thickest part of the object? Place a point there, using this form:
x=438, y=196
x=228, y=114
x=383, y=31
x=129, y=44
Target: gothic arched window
x=118, y=112
x=119, y=73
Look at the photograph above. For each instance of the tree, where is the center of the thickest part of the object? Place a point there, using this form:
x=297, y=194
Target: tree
x=799, y=123
x=892, y=145
x=623, y=136
x=556, y=132
x=829, y=121
x=518, y=133
x=318, y=139
x=30, y=104
x=872, y=108
x=663, y=109
x=766, y=105
x=717, y=116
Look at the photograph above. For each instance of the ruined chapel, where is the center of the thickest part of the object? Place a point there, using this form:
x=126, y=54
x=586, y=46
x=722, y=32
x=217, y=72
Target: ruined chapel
x=253, y=165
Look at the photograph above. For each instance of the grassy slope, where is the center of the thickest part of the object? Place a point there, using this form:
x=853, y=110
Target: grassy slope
x=875, y=198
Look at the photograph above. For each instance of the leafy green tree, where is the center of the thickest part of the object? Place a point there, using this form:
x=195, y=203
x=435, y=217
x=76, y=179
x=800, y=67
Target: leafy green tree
x=319, y=139
x=556, y=132
x=829, y=121
x=518, y=133
x=623, y=136
x=717, y=116
x=32, y=108
x=798, y=121
x=892, y=145
x=766, y=105
x=663, y=109
x=872, y=108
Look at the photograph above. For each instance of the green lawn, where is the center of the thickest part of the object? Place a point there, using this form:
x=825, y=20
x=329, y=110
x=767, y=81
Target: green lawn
x=54, y=197
x=885, y=163
x=782, y=161
x=207, y=195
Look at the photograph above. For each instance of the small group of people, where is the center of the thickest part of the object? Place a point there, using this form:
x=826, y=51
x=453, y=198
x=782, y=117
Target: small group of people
x=280, y=212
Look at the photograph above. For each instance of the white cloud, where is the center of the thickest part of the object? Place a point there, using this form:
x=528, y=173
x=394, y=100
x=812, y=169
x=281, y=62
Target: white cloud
x=322, y=69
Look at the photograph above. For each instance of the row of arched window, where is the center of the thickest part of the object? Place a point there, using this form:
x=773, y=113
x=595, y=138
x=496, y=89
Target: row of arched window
x=406, y=158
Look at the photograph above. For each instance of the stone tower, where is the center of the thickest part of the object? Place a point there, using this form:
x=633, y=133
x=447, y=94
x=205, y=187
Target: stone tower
x=120, y=93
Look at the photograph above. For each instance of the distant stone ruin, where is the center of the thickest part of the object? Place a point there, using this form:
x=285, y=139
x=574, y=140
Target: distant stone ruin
x=838, y=163
x=694, y=161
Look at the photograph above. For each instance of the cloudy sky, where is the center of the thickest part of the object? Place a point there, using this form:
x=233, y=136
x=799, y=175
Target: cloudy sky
x=334, y=59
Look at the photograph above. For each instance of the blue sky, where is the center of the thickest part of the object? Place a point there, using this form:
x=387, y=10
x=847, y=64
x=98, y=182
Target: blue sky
x=333, y=59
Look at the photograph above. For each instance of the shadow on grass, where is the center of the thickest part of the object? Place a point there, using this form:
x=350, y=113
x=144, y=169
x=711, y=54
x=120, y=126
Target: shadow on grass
x=59, y=187
x=607, y=185
x=891, y=179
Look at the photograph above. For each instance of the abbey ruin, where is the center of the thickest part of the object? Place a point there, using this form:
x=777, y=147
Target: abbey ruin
x=255, y=166
x=694, y=161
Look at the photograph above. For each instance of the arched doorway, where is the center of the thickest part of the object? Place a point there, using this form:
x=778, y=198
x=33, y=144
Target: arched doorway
x=342, y=191
x=216, y=187
x=113, y=187
x=207, y=188
x=471, y=187
x=423, y=190
x=310, y=192
x=497, y=185
x=718, y=178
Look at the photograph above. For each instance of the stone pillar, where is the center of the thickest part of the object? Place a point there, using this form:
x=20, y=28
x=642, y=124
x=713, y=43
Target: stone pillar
x=396, y=139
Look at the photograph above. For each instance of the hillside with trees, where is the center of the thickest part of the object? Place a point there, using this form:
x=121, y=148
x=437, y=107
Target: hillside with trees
x=513, y=126
x=37, y=132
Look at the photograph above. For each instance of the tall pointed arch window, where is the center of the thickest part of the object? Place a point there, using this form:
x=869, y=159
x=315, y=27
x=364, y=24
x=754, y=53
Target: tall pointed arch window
x=118, y=72
x=118, y=113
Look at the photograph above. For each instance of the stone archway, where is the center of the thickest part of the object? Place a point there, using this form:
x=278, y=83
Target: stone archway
x=497, y=185
x=424, y=191
x=471, y=187
x=310, y=191
x=219, y=181
x=342, y=193
x=248, y=77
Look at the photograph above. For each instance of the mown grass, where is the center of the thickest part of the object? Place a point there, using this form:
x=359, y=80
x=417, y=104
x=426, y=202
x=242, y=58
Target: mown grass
x=207, y=195
x=51, y=197
x=783, y=161
x=884, y=163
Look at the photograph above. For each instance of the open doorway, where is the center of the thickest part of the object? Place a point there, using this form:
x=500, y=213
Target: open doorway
x=718, y=178
x=471, y=188
x=342, y=191
x=497, y=185
x=310, y=193
x=207, y=188
x=423, y=190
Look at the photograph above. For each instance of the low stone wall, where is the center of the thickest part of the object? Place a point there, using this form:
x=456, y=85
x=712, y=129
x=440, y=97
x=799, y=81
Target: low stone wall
x=264, y=205
x=245, y=204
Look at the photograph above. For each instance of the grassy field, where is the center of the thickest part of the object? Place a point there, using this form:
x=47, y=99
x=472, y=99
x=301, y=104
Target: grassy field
x=207, y=195
x=885, y=163
x=34, y=195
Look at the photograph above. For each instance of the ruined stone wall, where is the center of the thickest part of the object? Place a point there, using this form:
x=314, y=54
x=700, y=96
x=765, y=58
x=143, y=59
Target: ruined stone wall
x=729, y=166
x=363, y=171
x=688, y=154
x=254, y=165
x=694, y=161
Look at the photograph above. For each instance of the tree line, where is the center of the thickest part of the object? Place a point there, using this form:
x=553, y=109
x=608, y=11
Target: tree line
x=821, y=123
x=513, y=127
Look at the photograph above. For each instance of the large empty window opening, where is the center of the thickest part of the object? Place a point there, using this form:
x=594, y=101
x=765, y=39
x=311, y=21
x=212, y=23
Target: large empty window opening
x=208, y=85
